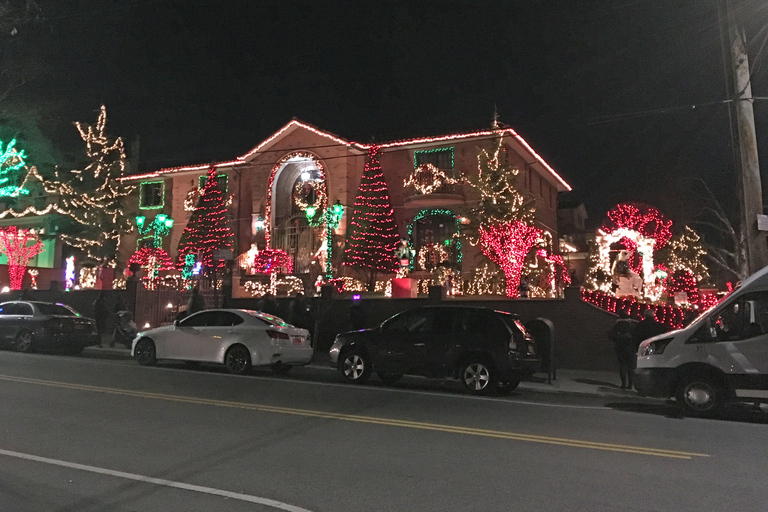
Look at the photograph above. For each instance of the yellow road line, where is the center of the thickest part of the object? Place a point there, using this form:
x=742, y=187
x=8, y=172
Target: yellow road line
x=575, y=443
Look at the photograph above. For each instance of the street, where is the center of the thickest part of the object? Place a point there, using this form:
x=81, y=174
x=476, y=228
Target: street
x=82, y=434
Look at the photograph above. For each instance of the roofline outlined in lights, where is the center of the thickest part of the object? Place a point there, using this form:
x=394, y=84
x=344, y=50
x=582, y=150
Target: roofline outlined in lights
x=240, y=160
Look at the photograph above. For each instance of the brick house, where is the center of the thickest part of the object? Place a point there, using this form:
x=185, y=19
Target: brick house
x=261, y=184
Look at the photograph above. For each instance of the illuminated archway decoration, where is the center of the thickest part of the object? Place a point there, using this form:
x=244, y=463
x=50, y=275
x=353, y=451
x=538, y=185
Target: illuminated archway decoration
x=428, y=213
x=275, y=170
x=639, y=227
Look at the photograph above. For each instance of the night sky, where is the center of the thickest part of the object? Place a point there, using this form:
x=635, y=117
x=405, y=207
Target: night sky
x=623, y=98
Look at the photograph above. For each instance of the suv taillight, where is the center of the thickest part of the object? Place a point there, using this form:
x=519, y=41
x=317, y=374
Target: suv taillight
x=277, y=335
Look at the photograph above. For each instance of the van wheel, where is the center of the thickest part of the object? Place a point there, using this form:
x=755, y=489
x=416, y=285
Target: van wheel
x=700, y=395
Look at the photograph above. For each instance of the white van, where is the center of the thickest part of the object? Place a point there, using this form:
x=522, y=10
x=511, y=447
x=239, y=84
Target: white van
x=722, y=356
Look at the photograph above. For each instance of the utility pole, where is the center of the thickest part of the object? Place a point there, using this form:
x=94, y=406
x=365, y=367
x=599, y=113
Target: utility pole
x=739, y=90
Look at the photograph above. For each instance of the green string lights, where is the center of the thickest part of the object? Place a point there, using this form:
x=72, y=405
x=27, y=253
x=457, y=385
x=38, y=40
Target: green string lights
x=11, y=160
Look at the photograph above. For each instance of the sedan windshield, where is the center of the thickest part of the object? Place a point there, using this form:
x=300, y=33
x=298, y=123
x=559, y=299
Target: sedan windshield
x=56, y=310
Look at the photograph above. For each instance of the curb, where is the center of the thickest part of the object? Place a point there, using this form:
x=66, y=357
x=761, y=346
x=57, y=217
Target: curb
x=528, y=387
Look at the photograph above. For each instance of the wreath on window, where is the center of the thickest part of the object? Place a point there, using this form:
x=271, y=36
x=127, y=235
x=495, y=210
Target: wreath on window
x=309, y=194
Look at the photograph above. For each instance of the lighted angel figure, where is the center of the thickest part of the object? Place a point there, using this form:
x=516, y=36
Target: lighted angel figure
x=627, y=282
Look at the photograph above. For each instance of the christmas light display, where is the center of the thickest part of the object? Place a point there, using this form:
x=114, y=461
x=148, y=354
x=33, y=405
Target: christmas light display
x=427, y=178
x=33, y=273
x=88, y=278
x=93, y=197
x=148, y=203
x=186, y=269
x=372, y=234
x=500, y=201
x=153, y=260
x=686, y=252
x=641, y=230
x=554, y=276
x=69, y=273
x=159, y=227
x=665, y=314
x=11, y=161
x=270, y=261
x=208, y=228
x=264, y=145
x=310, y=190
x=319, y=169
x=431, y=255
x=455, y=239
x=683, y=281
x=19, y=246
x=507, y=244
x=485, y=281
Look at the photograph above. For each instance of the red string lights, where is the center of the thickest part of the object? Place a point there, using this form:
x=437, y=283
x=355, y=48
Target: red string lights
x=373, y=233
x=507, y=244
x=208, y=229
x=646, y=220
x=14, y=243
x=683, y=280
x=270, y=261
x=672, y=316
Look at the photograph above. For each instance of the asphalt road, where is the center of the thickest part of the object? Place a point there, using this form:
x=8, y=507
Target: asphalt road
x=82, y=435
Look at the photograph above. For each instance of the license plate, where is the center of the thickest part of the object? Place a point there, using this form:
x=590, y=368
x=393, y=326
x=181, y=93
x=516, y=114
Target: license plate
x=298, y=340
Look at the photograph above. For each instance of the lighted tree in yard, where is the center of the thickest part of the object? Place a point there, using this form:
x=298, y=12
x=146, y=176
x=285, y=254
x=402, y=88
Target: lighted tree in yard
x=208, y=228
x=93, y=198
x=373, y=232
x=503, y=217
x=12, y=162
x=19, y=246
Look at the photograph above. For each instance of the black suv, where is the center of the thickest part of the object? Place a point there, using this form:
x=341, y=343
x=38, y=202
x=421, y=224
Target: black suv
x=487, y=350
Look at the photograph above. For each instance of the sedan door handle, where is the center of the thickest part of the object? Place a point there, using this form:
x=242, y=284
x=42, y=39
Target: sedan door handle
x=419, y=344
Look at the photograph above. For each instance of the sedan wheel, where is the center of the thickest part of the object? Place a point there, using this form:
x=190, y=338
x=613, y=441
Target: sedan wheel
x=476, y=377
x=238, y=360
x=145, y=352
x=23, y=342
x=355, y=367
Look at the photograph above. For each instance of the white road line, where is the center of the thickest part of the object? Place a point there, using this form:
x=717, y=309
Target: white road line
x=158, y=481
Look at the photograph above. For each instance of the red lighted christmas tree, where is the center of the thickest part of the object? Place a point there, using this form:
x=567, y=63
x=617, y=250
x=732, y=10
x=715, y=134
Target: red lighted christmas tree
x=507, y=244
x=208, y=228
x=15, y=244
x=372, y=231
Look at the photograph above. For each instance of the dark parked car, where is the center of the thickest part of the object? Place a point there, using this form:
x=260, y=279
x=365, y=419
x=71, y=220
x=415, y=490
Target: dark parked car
x=31, y=325
x=486, y=350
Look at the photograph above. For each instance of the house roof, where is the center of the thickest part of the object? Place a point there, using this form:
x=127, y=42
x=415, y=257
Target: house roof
x=520, y=145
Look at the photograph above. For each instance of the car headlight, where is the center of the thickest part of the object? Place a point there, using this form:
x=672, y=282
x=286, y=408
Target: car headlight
x=655, y=347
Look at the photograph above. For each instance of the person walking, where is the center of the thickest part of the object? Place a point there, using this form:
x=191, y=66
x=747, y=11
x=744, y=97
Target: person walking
x=101, y=314
x=196, y=302
x=623, y=338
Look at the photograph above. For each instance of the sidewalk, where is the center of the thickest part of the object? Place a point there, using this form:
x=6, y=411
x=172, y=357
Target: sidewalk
x=574, y=382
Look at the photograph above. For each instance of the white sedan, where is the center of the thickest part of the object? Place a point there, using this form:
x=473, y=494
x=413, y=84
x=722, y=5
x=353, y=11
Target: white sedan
x=237, y=338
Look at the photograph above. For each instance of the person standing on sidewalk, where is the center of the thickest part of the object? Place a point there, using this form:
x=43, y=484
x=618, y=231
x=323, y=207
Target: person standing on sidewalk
x=648, y=328
x=101, y=315
x=623, y=337
x=196, y=302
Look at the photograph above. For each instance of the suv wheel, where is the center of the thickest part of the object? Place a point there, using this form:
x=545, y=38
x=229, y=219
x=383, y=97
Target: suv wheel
x=700, y=395
x=477, y=376
x=355, y=366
